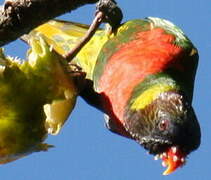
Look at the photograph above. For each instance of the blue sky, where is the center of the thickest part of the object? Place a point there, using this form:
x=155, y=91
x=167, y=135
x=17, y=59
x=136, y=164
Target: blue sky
x=85, y=149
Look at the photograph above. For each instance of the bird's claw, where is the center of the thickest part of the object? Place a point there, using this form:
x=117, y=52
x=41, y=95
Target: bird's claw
x=112, y=13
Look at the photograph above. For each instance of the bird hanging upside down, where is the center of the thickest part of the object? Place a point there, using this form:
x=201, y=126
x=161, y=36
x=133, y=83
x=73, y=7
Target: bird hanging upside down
x=143, y=77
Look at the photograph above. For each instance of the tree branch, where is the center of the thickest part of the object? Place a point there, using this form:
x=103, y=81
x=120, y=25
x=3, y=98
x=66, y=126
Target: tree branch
x=21, y=16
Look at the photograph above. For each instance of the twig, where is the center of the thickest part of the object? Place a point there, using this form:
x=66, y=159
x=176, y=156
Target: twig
x=92, y=29
x=21, y=16
x=107, y=11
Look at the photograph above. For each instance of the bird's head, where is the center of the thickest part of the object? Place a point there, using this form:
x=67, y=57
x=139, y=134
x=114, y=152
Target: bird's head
x=167, y=128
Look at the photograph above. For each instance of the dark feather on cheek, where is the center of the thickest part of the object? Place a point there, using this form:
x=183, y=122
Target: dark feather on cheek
x=167, y=121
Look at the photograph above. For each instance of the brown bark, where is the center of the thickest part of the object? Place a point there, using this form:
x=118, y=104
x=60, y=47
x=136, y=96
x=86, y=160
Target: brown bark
x=21, y=16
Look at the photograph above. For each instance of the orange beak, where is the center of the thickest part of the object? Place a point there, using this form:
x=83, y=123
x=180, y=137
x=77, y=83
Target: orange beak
x=172, y=159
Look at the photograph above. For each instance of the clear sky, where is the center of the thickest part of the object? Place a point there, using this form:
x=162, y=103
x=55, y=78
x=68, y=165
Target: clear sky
x=86, y=150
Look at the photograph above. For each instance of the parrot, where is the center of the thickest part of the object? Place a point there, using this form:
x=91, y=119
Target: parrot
x=36, y=98
x=141, y=76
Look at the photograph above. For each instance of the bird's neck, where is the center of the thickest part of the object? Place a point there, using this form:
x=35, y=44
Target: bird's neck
x=150, y=89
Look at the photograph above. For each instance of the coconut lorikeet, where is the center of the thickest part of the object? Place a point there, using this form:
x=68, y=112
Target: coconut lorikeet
x=34, y=101
x=143, y=78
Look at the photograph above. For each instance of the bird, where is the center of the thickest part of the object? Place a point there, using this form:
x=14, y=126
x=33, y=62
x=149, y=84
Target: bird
x=141, y=76
x=37, y=96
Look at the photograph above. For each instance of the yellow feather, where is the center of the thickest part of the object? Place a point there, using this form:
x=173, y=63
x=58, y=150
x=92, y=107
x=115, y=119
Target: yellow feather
x=148, y=96
x=63, y=36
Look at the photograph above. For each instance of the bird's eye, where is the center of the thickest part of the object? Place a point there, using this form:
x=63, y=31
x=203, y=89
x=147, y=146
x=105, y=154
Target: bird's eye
x=163, y=125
